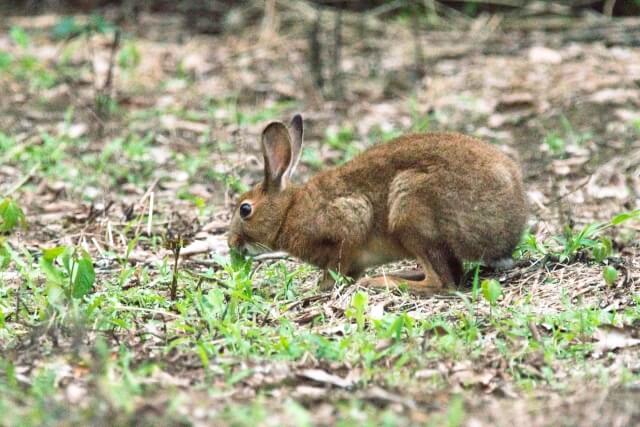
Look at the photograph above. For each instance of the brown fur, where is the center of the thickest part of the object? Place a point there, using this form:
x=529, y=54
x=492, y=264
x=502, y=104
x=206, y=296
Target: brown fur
x=439, y=198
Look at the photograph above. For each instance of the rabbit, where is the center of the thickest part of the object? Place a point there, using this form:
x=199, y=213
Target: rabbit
x=439, y=198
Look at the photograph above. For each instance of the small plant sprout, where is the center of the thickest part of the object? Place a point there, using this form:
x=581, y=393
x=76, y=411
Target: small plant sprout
x=358, y=309
x=26, y=66
x=491, y=291
x=11, y=215
x=69, y=268
x=567, y=247
x=530, y=246
x=602, y=249
x=174, y=242
x=475, y=286
x=341, y=140
x=5, y=254
x=19, y=37
x=610, y=275
x=557, y=143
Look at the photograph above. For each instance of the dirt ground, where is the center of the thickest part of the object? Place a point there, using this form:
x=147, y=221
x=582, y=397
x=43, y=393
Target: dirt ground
x=162, y=159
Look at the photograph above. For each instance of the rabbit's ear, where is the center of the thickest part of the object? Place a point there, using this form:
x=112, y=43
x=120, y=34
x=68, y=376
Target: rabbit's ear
x=296, y=132
x=276, y=149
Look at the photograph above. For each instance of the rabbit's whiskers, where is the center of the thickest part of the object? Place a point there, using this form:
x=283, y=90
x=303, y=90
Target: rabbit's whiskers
x=257, y=248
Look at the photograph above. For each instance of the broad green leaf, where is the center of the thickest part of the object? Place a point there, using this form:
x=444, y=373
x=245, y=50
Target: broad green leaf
x=395, y=329
x=610, y=275
x=19, y=37
x=491, y=290
x=129, y=56
x=55, y=295
x=11, y=215
x=358, y=308
x=5, y=60
x=602, y=249
x=360, y=300
x=202, y=352
x=100, y=25
x=53, y=253
x=67, y=27
x=53, y=274
x=66, y=258
x=84, y=278
x=625, y=216
x=5, y=255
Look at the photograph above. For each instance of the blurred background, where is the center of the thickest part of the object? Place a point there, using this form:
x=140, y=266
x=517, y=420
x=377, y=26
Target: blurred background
x=204, y=77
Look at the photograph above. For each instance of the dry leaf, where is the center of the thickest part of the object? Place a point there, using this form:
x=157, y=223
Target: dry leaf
x=537, y=197
x=568, y=166
x=75, y=393
x=216, y=226
x=377, y=393
x=324, y=377
x=74, y=130
x=610, y=338
x=426, y=373
x=310, y=392
x=608, y=182
x=467, y=378
x=377, y=311
x=614, y=96
x=544, y=55
x=383, y=344
x=213, y=243
x=515, y=101
x=627, y=115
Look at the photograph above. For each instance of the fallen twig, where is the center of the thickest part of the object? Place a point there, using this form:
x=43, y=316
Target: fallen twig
x=22, y=181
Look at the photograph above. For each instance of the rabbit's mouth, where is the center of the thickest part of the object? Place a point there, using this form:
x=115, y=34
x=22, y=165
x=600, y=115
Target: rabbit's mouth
x=247, y=247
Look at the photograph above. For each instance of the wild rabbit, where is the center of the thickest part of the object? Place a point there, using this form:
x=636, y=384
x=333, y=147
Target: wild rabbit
x=440, y=198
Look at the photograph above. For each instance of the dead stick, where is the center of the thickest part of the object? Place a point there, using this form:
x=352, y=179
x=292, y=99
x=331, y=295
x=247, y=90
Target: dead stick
x=112, y=59
x=22, y=182
x=174, y=279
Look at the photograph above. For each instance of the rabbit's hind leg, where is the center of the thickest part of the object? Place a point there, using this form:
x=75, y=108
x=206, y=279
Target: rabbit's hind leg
x=429, y=285
x=415, y=275
x=440, y=267
x=438, y=272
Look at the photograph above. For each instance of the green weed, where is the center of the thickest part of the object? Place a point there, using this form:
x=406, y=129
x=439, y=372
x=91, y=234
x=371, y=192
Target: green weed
x=557, y=143
x=11, y=215
x=589, y=239
x=341, y=139
x=25, y=66
x=68, y=269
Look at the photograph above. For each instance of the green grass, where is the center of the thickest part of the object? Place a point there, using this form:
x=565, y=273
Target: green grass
x=229, y=321
x=235, y=312
x=557, y=142
x=590, y=239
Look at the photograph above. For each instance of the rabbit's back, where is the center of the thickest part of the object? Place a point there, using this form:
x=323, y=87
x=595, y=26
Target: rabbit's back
x=449, y=189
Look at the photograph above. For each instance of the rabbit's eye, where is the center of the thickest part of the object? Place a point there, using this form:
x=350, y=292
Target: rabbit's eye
x=245, y=210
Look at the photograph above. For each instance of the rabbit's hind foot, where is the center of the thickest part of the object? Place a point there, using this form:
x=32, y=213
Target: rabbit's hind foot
x=428, y=285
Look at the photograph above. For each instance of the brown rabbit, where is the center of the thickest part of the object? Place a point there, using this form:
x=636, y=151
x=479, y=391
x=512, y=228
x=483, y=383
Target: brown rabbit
x=439, y=198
